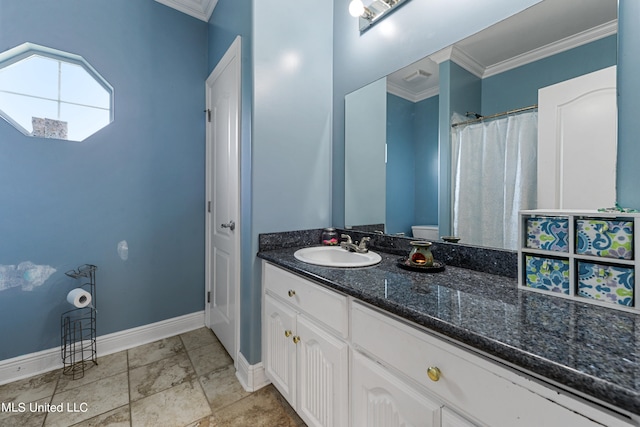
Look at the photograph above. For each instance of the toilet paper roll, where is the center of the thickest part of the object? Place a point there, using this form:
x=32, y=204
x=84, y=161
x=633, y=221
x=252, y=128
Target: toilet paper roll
x=79, y=298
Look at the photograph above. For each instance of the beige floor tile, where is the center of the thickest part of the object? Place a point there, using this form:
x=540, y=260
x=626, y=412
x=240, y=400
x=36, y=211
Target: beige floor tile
x=222, y=388
x=30, y=389
x=182, y=381
x=263, y=408
x=209, y=358
x=209, y=421
x=161, y=375
x=198, y=338
x=154, y=351
x=24, y=414
x=107, y=366
x=177, y=406
x=90, y=400
x=119, y=417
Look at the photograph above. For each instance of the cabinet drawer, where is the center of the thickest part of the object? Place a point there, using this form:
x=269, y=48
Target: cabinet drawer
x=605, y=238
x=464, y=382
x=320, y=303
x=548, y=233
x=549, y=274
x=607, y=283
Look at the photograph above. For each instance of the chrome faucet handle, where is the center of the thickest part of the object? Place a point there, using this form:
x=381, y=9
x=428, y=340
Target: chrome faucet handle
x=346, y=236
x=363, y=243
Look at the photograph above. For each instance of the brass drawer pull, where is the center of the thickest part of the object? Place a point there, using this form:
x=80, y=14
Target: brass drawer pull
x=287, y=333
x=296, y=339
x=434, y=373
x=291, y=292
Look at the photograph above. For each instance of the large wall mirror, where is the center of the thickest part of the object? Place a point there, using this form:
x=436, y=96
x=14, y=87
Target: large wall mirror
x=402, y=124
x=49, y=93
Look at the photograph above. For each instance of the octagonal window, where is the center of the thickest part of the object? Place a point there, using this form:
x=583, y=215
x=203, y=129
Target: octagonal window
x=49, y=93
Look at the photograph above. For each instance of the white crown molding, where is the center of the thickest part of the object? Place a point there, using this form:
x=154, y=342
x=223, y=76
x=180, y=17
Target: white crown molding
x=596, y=33
x=201, y=9
x=441, y=55
x=31, y=364
x=467, y=62
x=460, y=57
x=396, y=90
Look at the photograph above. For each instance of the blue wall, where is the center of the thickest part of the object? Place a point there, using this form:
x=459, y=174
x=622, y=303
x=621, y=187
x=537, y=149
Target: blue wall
x=426, y=155
x=628, y=103
x=141, y=179
x=291, y=138
x=401, y=165
x=412, y=163
x=519, y=87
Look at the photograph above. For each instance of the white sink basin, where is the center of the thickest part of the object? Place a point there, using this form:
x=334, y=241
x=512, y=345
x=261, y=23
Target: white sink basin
x=335, y=256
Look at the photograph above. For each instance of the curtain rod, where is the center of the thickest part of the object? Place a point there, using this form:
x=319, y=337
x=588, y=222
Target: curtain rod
x=493, y=116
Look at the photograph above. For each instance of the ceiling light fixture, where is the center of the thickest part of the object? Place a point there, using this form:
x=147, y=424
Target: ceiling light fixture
x=369, y=15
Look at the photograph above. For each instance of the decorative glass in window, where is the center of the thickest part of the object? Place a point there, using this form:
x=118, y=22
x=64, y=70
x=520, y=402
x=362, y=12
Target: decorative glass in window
x=49, y=93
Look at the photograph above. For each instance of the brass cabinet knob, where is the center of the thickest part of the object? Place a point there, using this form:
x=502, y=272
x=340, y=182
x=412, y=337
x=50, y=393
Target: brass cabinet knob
x=291, y=292
x=296, y=339
x=434, y=373
x=287, y=333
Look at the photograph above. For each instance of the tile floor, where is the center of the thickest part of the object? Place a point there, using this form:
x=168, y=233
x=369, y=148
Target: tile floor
x=182, y=381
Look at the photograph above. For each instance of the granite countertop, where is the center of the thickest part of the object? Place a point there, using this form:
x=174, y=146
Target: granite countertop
x=592, y=350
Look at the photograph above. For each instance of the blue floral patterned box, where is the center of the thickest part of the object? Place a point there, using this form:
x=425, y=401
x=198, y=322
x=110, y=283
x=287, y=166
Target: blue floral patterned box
x=605, y=238
x=548, y=274
x=548, y=233
x=612, y=284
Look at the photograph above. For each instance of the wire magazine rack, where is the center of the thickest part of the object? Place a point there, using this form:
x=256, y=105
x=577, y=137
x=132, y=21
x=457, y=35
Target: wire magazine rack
x=78, y=328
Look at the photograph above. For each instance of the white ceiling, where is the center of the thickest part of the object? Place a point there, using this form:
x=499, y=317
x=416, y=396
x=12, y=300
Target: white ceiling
x=201, y=9
x=547, y=28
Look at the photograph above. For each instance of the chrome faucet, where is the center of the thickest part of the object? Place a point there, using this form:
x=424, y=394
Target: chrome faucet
x=355, y=247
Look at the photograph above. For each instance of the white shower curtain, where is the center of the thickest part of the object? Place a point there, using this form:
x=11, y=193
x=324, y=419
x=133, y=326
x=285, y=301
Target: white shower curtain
x=494, y=176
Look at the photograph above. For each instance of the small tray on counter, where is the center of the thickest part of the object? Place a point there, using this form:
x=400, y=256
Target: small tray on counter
x=437, y=266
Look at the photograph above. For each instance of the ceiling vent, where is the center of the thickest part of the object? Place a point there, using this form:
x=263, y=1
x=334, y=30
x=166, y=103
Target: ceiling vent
x=416, y=76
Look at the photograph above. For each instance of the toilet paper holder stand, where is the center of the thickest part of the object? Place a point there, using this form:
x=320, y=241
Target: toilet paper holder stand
x=78, y=328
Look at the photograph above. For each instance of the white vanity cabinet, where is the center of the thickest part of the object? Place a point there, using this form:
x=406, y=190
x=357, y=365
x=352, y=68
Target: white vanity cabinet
x=452, y=419
x=341, y=362
x=471, y=390
x=304, y=350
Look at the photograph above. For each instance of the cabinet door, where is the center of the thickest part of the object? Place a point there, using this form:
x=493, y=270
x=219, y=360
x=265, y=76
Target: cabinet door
x=451, y=419
x=280, y=351
x=379, y=399
x=322, y=376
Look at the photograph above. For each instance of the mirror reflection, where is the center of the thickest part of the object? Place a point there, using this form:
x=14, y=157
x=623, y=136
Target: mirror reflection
x=53, y=94
x=501, y=69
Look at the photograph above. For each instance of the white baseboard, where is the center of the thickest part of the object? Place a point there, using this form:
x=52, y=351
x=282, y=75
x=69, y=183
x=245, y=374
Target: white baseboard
x=251, y=377
x=47, y=360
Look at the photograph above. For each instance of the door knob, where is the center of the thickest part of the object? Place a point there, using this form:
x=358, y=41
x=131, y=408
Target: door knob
x=230, y=225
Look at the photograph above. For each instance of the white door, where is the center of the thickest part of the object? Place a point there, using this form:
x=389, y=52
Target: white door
x=222, y=187
x=577, y=142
